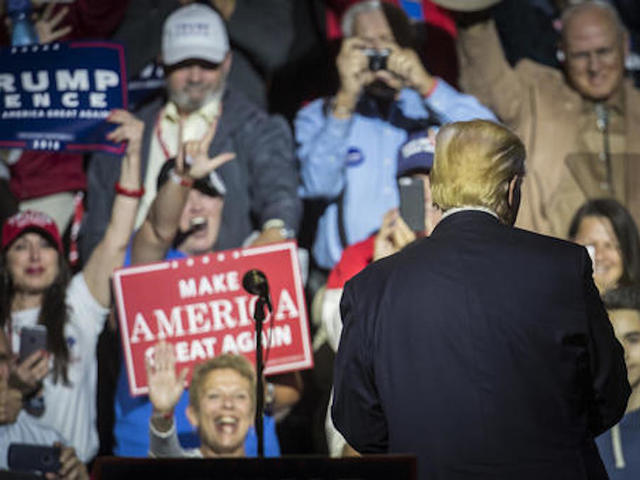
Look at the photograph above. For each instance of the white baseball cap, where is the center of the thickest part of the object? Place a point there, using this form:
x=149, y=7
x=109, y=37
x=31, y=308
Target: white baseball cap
x=194, y=32
x=466, y=5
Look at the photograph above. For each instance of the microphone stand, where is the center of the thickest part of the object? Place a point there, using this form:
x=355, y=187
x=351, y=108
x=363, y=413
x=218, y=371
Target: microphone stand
x=259, y=316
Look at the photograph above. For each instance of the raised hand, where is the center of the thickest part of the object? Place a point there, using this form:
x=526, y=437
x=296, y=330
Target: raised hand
x=405, y=69
x=393, y=236
x=48, y=25
x=165, y=387
x=193, y=156
x=353, y=68
x=129, y=130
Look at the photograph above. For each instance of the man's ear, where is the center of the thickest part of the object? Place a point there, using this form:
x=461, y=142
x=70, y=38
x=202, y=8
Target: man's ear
x=226, y=63
x=193, y=416
x=514, y=190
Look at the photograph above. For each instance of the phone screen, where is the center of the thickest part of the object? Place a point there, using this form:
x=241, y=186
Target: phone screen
x=32, y=339
x=412, y=202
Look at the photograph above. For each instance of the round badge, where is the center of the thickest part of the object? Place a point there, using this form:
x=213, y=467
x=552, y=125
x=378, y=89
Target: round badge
x=354, y=157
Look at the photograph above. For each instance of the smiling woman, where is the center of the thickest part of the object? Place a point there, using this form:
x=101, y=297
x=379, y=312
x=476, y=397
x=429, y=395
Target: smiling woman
x=36, y=288
x=221, y=404
x=608, y=231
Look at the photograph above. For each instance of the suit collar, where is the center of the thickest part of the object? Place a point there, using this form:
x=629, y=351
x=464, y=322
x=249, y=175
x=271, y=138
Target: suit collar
x=465, y=218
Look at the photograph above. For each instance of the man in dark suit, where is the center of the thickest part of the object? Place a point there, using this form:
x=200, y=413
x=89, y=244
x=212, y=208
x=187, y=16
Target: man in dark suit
x=483, y=349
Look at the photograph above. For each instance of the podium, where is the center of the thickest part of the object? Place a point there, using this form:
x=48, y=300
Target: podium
x=397, y=467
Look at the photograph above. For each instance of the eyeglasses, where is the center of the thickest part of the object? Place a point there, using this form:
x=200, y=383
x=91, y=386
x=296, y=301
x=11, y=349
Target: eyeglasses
x=584, y=58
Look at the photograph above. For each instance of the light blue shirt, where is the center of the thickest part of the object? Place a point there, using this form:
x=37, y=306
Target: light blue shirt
x=354, y=160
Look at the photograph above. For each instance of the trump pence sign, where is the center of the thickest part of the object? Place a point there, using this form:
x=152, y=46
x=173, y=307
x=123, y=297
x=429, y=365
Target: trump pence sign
x=57, y=96
x=199, y=305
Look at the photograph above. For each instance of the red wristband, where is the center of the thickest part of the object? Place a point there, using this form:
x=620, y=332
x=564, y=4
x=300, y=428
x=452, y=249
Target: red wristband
x=129, y=192
x=433, y=87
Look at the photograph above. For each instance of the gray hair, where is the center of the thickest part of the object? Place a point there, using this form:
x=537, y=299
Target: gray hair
x=576, y=7
x=350, y=14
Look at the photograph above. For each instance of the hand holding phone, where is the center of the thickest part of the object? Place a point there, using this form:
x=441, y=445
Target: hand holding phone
x=393, y=236
x=32, y=339
x=33, y=362
x=34, y=458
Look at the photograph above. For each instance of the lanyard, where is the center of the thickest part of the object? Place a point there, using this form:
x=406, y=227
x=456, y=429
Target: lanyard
x=158, y=129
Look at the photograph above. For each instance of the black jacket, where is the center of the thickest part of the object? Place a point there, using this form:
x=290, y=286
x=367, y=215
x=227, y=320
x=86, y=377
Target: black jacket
x=483, y=349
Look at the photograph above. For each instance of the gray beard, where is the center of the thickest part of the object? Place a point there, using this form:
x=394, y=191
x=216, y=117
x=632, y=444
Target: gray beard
x=186, y=104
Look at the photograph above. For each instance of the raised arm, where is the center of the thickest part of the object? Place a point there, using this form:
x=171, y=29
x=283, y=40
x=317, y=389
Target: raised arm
x=153, y=239
x=484, y=70
x=322, y=128
x=165, y=386
x=165, y=390
x=109, y=253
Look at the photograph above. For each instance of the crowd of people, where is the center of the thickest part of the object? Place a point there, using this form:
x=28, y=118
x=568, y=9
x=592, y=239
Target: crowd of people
x=271, y=120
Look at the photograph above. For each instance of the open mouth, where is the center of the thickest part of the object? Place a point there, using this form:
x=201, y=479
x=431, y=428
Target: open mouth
x=197, y=224
x=226, y=424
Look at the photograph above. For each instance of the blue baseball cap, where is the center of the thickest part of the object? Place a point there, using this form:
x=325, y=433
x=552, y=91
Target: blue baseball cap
x=416, y=154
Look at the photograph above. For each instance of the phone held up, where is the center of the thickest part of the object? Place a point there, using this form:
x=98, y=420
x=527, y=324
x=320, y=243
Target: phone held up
x=412, y=203
x=32, y=339
x=33, y=458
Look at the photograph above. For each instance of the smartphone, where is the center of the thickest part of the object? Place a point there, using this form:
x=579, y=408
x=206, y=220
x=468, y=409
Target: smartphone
x=33, y=458
x=32, y=339
x=412, y=202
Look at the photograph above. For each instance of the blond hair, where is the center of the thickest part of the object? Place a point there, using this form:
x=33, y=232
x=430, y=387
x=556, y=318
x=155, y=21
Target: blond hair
x=474, y=163
x=226, y=361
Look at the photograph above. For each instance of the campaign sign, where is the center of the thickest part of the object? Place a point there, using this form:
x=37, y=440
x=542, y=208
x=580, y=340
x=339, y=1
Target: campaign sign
x=199, y=305
x=56, y=96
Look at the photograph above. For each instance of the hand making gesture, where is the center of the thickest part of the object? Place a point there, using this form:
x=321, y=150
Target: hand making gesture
x=165, y=387
x=193, y=156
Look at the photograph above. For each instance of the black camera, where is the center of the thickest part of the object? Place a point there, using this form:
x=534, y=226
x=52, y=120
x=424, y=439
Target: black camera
x=377, y=58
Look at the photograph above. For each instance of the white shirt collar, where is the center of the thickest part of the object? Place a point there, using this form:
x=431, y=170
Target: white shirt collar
x=451, y=211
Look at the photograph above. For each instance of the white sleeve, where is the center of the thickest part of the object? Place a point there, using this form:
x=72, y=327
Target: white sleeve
x=85, y=310
x=165, y=444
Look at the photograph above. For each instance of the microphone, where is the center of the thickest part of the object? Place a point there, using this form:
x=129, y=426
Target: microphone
x=255, y=282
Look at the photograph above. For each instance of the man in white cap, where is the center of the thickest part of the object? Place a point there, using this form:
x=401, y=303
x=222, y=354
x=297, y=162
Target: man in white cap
x=261, y=181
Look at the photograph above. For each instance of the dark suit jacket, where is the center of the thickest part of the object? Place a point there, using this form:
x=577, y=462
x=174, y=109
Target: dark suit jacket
x=485, y=350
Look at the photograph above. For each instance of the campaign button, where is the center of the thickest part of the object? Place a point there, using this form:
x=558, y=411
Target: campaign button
x=354, y=157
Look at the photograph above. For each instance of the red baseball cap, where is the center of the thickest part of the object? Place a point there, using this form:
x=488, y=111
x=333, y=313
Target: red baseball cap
x=30, y=220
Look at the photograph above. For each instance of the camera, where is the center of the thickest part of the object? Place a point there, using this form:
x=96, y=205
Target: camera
x=377, y=58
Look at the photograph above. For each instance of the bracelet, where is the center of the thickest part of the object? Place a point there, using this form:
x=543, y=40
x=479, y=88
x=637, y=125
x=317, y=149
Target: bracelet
x=164, y=416
x=179, y=179
x=127, y=192
x=276, y=223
